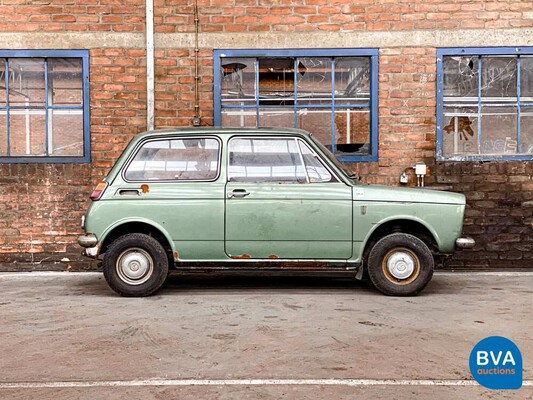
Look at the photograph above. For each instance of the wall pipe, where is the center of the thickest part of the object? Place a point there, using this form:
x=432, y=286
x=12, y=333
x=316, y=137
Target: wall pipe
x=197, y=118
x=150, y=84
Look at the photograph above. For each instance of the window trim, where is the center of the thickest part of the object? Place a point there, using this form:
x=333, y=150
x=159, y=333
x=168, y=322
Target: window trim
x=476, y=51
x=372, y=53
x=85, y=107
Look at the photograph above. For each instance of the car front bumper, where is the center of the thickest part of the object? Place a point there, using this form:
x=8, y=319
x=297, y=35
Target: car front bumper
x=465, y=243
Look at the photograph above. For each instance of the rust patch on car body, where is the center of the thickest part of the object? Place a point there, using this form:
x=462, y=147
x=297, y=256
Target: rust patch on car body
x=241, y=257
x=176, y=255
x=273, y=256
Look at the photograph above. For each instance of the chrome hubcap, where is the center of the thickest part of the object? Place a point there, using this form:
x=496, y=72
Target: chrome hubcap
x=134, y=266
x=401, y=265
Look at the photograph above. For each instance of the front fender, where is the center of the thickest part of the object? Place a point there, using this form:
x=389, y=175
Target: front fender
x=443, y=221
x=399, y=218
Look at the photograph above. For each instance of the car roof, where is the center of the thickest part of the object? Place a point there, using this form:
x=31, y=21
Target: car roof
x=211, y=130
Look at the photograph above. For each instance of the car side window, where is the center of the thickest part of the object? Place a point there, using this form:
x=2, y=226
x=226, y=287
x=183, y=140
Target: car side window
x=265, y=160
x=315, y=169
x=185, y=159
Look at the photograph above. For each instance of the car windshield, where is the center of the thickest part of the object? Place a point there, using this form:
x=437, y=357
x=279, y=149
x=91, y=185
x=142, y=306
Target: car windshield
x=347, y=171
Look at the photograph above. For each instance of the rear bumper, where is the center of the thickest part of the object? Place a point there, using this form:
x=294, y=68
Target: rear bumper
x=88, y=240
x=465, y=243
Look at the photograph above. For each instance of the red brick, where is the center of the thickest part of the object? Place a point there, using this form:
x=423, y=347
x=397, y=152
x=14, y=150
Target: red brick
x=63, y=18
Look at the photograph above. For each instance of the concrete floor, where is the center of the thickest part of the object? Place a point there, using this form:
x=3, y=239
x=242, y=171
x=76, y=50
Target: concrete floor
x=67, y=335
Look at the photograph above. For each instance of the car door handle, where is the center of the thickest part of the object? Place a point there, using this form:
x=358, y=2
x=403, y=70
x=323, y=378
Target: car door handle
x=129, y=192
x=238, y=193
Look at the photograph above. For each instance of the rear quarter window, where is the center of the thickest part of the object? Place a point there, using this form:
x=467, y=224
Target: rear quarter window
x=187, y=159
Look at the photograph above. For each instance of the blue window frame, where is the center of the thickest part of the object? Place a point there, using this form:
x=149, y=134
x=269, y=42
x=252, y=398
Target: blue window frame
x=485, y=103
x=331, y=93
x=44, y=106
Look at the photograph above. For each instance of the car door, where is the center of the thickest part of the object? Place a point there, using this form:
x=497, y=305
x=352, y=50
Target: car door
x=182, y=194
x=283, y=203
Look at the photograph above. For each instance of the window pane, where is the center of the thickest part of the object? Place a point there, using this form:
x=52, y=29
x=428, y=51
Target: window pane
x=526, y=130
x=460, y=76
x=314, y=80
x=3, y=134
x=276, y=81
x=67, y=133
x=276, y=116
x=238, y=81
x=27, y=133
x=317, y=121
x=316, y=171
x=265, y=160
x=352, y=133
x=244, y=117
x=352, y=80
x=526, y=79
x=65, y=80
x=177, y=159
x=460, y=130
x=26, y=86
x=498, y=127
x=2, y=82
x=498, y=78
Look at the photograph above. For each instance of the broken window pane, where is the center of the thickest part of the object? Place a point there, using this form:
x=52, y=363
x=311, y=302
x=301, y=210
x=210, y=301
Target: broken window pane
x=498, y=77
x=460, y=131
x=352, y=80
x=498, y=126
x=276, y=81
x=238, y=81
x=352, y=130
x=526, y=79
x=314, y=80
x=26, y=82
x=460, y=76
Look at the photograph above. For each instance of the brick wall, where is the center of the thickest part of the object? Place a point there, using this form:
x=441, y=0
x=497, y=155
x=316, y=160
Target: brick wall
x=41, y=204
x=72, y=15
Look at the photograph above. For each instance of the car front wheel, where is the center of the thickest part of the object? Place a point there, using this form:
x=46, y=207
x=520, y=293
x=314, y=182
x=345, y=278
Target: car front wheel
x=135, y=265
x=400, y=264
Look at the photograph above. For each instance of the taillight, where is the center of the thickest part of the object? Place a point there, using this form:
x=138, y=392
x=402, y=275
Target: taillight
x=98, y=191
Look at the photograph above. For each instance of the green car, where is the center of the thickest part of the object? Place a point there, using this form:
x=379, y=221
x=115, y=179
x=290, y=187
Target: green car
x=260, y=199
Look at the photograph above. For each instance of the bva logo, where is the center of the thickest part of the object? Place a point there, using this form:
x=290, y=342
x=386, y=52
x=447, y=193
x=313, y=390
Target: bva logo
x=496, y=363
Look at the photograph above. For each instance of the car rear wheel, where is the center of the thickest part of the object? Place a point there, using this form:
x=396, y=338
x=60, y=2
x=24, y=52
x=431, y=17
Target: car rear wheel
x=400, y=264
x=135, y=265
